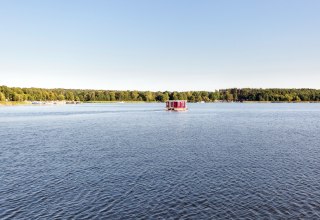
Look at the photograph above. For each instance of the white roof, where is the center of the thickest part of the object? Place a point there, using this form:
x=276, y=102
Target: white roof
x=177, y=101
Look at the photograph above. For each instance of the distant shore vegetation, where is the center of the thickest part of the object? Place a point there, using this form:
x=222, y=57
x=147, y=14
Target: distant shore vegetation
x=230, y=95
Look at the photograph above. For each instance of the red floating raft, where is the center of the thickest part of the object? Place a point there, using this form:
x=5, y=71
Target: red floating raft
x=176, y=105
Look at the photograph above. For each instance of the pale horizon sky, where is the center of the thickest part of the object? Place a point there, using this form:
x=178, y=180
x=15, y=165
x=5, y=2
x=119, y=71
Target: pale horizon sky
x=174, y=45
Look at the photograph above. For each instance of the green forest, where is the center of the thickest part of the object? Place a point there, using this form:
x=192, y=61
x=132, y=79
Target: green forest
x=230, y=95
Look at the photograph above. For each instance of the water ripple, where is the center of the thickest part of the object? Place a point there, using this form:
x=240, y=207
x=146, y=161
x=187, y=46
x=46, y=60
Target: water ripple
x=214, y=162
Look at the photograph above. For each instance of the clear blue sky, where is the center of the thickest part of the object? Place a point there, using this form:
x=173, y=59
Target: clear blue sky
x=160, y=44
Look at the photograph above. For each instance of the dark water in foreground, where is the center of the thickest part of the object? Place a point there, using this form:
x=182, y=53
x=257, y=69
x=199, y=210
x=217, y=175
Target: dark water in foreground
x=128, y=161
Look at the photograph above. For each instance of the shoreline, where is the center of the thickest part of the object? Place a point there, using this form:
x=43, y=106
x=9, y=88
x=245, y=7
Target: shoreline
x=24, y=103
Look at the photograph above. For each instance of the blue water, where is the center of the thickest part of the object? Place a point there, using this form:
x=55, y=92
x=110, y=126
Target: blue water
x=129, y=161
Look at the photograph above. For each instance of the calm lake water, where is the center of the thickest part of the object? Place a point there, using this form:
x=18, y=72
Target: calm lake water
x=129, y=161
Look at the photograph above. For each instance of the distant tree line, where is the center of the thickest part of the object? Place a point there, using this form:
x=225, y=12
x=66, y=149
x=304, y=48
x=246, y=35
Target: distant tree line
x=273, y=95
x=246, y=94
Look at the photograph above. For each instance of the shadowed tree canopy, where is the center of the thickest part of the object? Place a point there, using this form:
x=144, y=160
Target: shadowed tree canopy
x=230, y=95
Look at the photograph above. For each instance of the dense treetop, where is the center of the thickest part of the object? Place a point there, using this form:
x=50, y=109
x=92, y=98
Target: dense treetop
x=245, y=94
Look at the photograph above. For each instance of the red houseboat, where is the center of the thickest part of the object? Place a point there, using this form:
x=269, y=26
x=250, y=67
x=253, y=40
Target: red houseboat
x=176, y=105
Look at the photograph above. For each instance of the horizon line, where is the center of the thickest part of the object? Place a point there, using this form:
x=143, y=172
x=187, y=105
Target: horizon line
x=261, y=88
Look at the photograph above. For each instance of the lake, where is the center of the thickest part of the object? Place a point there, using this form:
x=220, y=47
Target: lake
x=137, y=161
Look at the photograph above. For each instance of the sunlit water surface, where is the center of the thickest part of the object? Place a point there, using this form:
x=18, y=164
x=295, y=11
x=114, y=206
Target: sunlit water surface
x=128, y=161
